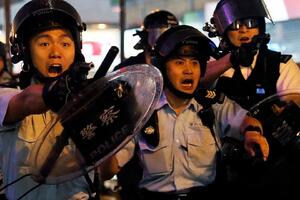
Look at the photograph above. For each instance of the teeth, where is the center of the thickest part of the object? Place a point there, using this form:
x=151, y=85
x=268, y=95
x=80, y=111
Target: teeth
x=187, y=84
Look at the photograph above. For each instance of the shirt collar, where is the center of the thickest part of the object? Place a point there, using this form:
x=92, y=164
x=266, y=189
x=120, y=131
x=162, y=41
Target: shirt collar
x=193, y=104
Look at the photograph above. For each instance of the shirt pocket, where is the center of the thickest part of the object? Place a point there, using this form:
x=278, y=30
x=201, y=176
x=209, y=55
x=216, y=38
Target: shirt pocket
x=28, y=132
x=156, y=161
x=201, y=149
x=32, y=127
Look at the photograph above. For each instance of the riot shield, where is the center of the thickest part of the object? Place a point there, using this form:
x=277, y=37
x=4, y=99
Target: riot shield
x=279, y=176
x=280, y=117
x=96, y=123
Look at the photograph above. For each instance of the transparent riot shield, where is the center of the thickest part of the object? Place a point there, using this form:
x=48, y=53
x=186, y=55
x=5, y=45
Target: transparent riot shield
x=280, y=117
x=96, y=123
x=279, y=176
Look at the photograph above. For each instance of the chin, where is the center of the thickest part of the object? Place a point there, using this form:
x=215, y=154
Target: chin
x=53, y=75
x=188, y=91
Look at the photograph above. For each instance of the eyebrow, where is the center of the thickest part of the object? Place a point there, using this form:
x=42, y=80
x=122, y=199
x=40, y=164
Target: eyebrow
x=39, y=36
x=184, y=57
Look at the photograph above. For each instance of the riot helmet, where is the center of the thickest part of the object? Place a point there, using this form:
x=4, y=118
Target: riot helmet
x=227, y=12
x=179, y=41
x=35, y=17
x=183, y=40
x=41, y=15
x=153, y=26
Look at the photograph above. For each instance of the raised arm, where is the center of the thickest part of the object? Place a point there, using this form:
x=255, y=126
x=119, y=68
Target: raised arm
x=28, y=102
x=214, y=69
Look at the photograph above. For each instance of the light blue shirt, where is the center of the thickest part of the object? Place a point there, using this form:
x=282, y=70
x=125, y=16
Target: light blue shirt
x=15, y=147
x=186, y=154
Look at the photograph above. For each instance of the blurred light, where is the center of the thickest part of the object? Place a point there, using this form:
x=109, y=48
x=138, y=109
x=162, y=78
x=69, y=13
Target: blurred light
x=102, y=26
x=116, y=9
x=277, y=10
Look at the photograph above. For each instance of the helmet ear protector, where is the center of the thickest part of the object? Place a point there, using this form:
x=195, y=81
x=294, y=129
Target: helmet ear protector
x=15, y=49
x=40, y=15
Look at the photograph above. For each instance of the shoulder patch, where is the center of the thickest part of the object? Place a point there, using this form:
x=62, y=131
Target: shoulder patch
x=284, y=58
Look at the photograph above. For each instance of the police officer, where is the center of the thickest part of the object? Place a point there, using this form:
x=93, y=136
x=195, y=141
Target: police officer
x=46, y=37
x=154, y=24
x=177, y=149
x=255, y=72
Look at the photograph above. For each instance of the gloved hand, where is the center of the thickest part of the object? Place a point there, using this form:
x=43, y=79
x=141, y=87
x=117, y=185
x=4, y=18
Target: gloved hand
x=244, y=54
x=56, y=93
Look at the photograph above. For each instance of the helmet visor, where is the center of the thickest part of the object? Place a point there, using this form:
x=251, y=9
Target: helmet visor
x=153, y=34
x=228, y=11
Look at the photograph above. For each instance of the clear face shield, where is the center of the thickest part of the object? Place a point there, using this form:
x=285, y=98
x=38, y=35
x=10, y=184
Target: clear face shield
x=154, y=33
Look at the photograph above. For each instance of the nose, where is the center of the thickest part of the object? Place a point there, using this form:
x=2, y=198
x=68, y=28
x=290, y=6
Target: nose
x=55, y=51
x=188, y=69
x=243, y=28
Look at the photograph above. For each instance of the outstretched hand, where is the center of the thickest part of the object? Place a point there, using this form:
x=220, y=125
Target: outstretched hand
x=255, y=143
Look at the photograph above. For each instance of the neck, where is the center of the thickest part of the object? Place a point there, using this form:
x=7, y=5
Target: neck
x=147, y=55
x=177, y=103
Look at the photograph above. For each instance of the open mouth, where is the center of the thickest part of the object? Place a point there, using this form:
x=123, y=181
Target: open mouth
x=245, y=39
x=187, y=83
x=55, y=69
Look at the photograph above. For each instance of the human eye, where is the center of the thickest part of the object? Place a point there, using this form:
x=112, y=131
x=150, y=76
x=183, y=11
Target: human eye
x=195, y=63
x=43, y=44
x=66, y=44
x=179, y=62
x=40, y=40
x=66, y=41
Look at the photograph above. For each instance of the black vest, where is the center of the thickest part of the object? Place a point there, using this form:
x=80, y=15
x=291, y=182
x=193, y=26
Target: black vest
x=260, y=84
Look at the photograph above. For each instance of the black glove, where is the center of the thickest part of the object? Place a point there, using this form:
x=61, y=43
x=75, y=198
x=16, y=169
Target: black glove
x=243, y=55
x=56, y=93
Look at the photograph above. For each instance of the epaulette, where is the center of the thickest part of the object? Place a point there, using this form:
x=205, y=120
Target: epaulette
x=208, y=97
x=285, y=57
x=150, y=132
